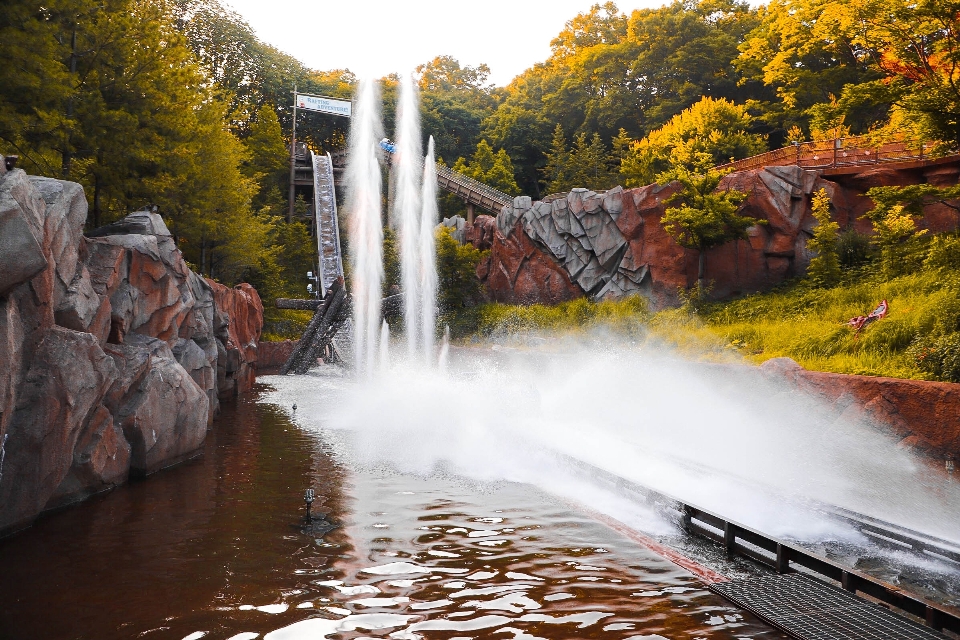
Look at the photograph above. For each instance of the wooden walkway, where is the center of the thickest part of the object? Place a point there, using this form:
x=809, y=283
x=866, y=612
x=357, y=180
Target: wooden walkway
x=850, y=152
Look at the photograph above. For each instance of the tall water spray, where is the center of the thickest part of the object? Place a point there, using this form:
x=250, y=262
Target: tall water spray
x=407, y=209
x=428, y=253
x=364, y=192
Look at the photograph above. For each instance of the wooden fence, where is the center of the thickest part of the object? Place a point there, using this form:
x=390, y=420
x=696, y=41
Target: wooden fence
x=842, y=152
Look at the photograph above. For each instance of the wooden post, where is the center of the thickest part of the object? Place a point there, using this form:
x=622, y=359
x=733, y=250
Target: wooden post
x=471, y=209
x=293, y=157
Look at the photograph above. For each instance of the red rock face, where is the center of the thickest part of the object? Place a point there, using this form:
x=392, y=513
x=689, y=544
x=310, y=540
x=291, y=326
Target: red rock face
x=521, y=270
x=481, y=233
x=114, y=354
x=238, y=322
x=518, y=272
x=273, y=355
x=920, y=415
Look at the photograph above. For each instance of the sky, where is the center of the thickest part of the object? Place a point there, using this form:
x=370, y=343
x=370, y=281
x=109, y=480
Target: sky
x=378, y=37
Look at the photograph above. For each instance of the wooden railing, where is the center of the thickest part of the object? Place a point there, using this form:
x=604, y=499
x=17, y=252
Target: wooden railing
x=841, y=152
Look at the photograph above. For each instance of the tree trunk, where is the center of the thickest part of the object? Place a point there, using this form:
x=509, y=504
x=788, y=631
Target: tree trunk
x=702, y=267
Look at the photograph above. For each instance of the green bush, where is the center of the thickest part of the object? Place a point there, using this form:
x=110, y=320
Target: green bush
x=459, y=290
x=854, y=249
x=943, y=254
x=824, y=267
x=940, y=358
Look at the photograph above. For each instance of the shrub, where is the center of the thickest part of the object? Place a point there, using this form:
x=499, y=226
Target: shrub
x=824, y=267
x=853, y=249
x=943, y=253
x=897, y=237
x=941, y=357
x=458, y=287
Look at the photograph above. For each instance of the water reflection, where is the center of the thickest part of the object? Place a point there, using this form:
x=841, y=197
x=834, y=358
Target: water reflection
x=214, y=549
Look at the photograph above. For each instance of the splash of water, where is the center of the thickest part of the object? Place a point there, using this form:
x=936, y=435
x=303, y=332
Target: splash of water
x=727, y=440
x=364, y=192
x=444, y=359
x=407, y=209
x=428, y=253
x=384, y=346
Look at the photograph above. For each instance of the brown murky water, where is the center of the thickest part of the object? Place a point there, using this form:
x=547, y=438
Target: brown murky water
x=217, y=549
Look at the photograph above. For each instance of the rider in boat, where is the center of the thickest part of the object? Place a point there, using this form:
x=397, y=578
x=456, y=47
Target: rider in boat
x=388, y=146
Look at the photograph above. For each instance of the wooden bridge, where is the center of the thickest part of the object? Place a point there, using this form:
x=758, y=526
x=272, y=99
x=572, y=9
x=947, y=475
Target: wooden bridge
x=849, y=153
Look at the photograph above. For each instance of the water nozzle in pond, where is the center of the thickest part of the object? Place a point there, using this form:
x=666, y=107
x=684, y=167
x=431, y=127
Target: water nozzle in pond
x=308, y=498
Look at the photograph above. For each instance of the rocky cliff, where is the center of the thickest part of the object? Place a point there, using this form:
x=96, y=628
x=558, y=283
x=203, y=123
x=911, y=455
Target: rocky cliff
x=920, y=415
x=612, y=243
x=115, y=356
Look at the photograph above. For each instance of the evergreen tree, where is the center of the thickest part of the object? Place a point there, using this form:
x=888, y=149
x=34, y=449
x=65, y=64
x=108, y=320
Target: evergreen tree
x=557, y=173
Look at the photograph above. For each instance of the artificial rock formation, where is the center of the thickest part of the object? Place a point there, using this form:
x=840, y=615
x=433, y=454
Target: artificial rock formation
x=115, y=356
x=611, y=244
x=920, y=415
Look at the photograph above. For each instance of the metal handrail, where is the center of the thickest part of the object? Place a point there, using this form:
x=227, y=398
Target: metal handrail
x=474, y=185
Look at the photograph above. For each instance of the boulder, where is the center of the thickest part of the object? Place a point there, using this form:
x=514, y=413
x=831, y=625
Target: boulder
x=272, y=355
x=162, y=411
x=21, y=256
x=60, y=394
x=146, y=222
x=237, y=324
x=101, y=461
x=480, y=234
x=195, y=362
x=90, y=388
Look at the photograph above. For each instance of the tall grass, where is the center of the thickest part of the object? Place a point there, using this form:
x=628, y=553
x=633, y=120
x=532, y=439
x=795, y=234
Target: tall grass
x=808, y=324
x=918, y=338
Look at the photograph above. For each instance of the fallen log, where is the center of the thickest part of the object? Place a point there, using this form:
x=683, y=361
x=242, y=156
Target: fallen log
x=390, y=306
x=299, y=305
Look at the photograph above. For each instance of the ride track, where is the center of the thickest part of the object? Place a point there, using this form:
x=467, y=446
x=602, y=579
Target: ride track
x=787, y=559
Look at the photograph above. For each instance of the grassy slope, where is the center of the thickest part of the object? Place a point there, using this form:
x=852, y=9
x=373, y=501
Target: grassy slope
x=797, y=320
x=808, y=324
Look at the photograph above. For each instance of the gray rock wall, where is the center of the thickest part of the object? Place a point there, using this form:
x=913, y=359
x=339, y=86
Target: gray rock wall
x=579, y=230
x=110, y=349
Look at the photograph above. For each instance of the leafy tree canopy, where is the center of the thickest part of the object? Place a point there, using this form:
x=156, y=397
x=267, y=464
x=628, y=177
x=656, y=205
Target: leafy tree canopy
x=710, y=132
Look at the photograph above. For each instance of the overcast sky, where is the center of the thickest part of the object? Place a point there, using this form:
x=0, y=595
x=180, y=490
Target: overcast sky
x=377, y=37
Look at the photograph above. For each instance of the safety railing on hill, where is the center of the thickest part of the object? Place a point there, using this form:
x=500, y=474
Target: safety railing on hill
x=842, y=152
x=472, y=191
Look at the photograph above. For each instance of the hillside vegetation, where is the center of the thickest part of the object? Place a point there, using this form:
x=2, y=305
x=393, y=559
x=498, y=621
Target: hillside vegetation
x=919, y=338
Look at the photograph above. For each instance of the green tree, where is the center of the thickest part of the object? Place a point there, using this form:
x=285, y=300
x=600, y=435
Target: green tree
x=824, y=267
x=895, y=233
x=268, y=159
x=703, y=217
x=458, y=286
x=494, y=169
x=710, y=132
x=454, y=101
x=557, y=171
x=798, y=52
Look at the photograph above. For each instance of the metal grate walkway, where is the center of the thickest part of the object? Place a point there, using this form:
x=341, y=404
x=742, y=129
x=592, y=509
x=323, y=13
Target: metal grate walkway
x=809, y=609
